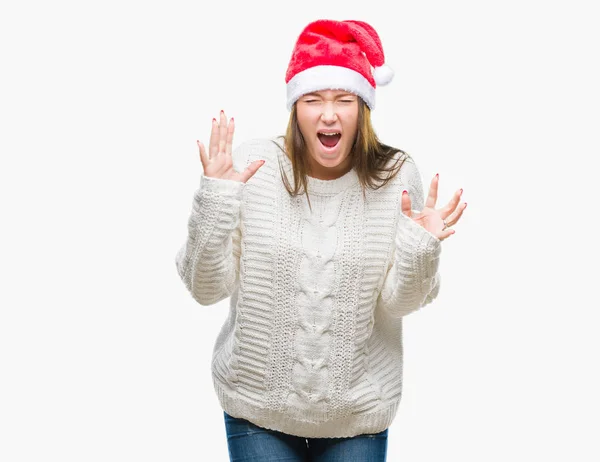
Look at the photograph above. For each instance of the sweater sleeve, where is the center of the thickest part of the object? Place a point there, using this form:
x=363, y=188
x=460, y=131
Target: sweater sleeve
x=208, y=262
x=412, y=280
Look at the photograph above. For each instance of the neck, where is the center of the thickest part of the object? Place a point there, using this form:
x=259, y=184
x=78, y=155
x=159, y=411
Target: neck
x=319, y=172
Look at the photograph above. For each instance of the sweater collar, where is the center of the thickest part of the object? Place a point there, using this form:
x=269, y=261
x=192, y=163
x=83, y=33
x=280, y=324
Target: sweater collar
x=317, y=186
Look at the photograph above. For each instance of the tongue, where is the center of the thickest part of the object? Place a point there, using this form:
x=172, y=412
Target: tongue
x=329, y=140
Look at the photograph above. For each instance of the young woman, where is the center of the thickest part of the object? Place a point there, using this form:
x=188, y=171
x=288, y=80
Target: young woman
x=323, y=241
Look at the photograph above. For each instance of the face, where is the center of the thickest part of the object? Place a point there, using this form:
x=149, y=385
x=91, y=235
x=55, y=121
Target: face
x=328, y=121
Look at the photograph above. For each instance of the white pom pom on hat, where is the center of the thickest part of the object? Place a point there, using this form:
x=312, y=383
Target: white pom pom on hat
x=383, y=74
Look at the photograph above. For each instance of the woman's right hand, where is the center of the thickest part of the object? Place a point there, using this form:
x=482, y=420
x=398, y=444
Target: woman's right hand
x=218, y=162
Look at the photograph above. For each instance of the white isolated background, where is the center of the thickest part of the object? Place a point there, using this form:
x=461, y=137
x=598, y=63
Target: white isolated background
x=104, y=356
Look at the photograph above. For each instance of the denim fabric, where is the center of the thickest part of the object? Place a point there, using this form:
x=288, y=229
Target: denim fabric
x=250, y=443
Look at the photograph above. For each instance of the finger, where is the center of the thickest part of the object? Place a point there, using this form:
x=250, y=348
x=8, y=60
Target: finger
x=405, y=203
x=213, y=145
x=222, y=132
x=230, y=130
x=251, y=170
x=455, y=216
x=445, y=234
x=203, y=157
x=446, y=211
x=433, y=192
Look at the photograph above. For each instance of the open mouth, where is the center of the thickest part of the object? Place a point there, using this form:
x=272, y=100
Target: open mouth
x=329, y=140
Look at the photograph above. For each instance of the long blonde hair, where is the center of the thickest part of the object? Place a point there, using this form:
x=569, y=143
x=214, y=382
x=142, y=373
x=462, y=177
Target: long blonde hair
x=370, y=156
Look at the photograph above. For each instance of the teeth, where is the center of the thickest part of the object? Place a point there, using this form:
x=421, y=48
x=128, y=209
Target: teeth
x=329, y=134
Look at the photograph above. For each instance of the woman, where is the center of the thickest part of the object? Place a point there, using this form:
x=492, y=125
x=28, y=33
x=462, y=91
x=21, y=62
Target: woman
x=323, y=243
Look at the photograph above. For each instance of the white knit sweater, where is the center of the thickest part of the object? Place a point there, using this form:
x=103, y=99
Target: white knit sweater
x=312, y=345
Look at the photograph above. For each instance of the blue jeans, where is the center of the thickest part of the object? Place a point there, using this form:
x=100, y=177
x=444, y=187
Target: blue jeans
x=250, y=443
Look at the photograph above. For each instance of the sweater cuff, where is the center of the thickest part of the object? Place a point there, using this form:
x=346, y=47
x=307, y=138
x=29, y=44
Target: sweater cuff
x=229, y=188
x=415, y=239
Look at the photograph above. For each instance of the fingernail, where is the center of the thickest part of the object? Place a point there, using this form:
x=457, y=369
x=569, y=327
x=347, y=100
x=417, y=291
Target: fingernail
x=214, y=120
x=222, y=111
x=461, y=190
x=437, y=175
x=465, y=205
x=405, y=192
x=232, y=119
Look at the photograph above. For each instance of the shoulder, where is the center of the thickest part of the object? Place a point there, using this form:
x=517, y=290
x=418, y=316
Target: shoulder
x=409, y=168
x=403, y=163
x=406, y=176
x=254, y=149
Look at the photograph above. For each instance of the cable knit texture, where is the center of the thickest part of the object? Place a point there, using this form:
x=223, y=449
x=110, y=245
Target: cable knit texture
x=312, y=345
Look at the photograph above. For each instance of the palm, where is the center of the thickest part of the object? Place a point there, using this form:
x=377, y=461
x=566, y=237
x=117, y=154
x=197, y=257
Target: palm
x=218, y=163
x=436, y=221
x=429, y=218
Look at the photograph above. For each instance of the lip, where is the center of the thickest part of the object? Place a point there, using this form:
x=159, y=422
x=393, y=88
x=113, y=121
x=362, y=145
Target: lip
x=329, y=131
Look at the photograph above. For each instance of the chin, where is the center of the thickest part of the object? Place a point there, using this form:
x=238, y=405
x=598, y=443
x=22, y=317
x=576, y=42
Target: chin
x=330, y=159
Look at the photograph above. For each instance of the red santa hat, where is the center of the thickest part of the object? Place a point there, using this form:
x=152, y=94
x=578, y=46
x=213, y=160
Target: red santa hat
x=337, y=55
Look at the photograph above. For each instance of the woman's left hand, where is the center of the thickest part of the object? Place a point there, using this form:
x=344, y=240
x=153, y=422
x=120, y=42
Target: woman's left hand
x=436, y=221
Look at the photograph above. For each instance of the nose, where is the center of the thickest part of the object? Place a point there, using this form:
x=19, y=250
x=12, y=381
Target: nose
x=328, y=114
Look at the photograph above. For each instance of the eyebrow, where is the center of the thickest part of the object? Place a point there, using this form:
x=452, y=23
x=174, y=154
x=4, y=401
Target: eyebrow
x=343, y=95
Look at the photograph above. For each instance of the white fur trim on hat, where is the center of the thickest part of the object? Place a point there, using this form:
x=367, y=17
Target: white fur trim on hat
x=329, y=78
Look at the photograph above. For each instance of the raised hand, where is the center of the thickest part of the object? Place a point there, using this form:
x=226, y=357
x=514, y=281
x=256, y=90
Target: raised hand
x=436, y=221
x=218, y=162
